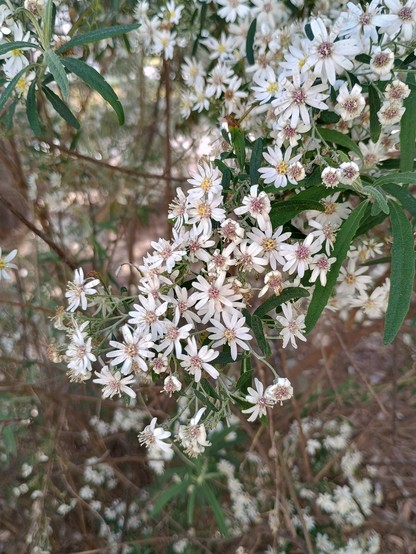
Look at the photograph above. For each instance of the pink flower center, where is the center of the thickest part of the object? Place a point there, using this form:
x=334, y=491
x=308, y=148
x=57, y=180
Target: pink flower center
x=302, y=252
x=213, y=293
x=298, y=96
x=405, y=14
x=256, y=205
x=325, y=49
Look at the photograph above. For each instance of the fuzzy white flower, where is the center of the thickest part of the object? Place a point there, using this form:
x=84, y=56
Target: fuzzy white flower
x=259, y=401
x=155, y=436
x=5, y=264
x=132, y=352
x=280, y=390
x=350, y=103
x=194, y=436
x=257, y=205
x=114, y=383
x=279, y=174
x=231, y=332
x=197, y=359
x=293, y=325
x=79, y=289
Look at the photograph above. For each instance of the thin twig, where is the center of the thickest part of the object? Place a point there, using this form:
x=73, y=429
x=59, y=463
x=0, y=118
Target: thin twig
x=55, y=247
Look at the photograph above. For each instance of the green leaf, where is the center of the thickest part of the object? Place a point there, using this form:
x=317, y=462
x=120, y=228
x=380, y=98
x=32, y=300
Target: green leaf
x=406, y=178
x=57, y=69
x=256, y=161
x=10, y=88
x=209, y=389
x=32, y=110
x=402, y=272
x=291, y=293
x=321, y=294
x=168, y=495
x=375, y=105
x=239, y=144
x=48, y=21
x=93, y=79
x=99, y=34
x=216, y=508
x=406, y=198
x=8, y=46
x=204, y=8
x=379, y=198
x=205, y=401
x=309, y=32
x=226, y=174
x=408, y=133
x=282, y=212
x=250, y=41
x=369, y=222
x=61, y=108
x=245, y=380
x=224, y=358
x=363, y=58
x=191, y=502
x=330, y=135
x=257, y=328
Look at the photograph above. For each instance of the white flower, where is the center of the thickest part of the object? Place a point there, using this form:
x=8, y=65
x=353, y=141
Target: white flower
x=279, y=174
x=79, y=289
x=218, y=80
x=164, y=42
x=382, y=62
x=328, y=56
x=79, y=350
x=271, y=243
x=193, y=72
x=257, y=205
x=155, y=436
x=299, y=256
x=114, y=384
x=396, y=91
x=171, y=384
x=213, y=297
x=272, y=280
x=197, y=360
x=222, y=260
x=350, y=103
x=293, y=325
x=146, y=316
x=206, y=181
x=202, y=211
x=231, y=332
x=166, y=255
x=330, y=177
x=280, y=390
x=132, y=352
x=325, y=233
x=233, y=9
x=259, y=401
x=267, y=87
x=293, y=102
x=173, y=337
x=248, y=259
x=401, y=19
x=194, y=436
x=320, y=265
x=231, y=231
x=390, y=113
x=351, y=278
x=5, y=264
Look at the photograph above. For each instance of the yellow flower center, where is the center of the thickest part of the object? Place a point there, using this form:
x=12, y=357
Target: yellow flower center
x=206, y=184
x=282, y=168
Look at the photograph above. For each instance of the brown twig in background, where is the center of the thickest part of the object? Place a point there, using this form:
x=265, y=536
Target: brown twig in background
x=55, y=247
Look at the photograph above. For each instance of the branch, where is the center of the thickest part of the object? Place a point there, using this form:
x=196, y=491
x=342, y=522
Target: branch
x=101, y=163
x=56, y=248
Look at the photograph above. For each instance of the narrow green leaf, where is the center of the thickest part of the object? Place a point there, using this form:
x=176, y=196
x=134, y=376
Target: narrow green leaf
x=363, y=58
x=369, y=222
x=209, y=389
x=291, y=293
x=57, y=69
x=216, y=508
x=245, y=381
x=239, y=144
x=379, y=199
x=330, y=135
x=47, y=21
x=406, y=178
x=191, y=506
x=282, y=212
x=406, y=198
x=309, y=32
x=20, y=45
x=93, y=79
x=61, y=108
x=250, y=41
x=402, y=272
x=375, y=105
x=224, y=358
x=256, y=161
x=204, y=9
x=32, y=110
x=257, y=328
x=345, y=235
x=168, y=495
x=408, y=133
x=5, y=95
x=95, y=36
x=205, y=400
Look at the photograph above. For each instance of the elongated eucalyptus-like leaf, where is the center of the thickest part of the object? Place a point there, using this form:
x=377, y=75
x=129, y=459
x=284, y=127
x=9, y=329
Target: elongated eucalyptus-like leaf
x=93, y=79
x=32, y=110
x=405, y=197
x=330, y=135
x=408, y=133
x=256, y=161
x=95, y=36
x=291, y=293
x=5, y=95
x=20, y=45
x=57, y=69
x=61, y=108
x=250, y=42
x=402, y=272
